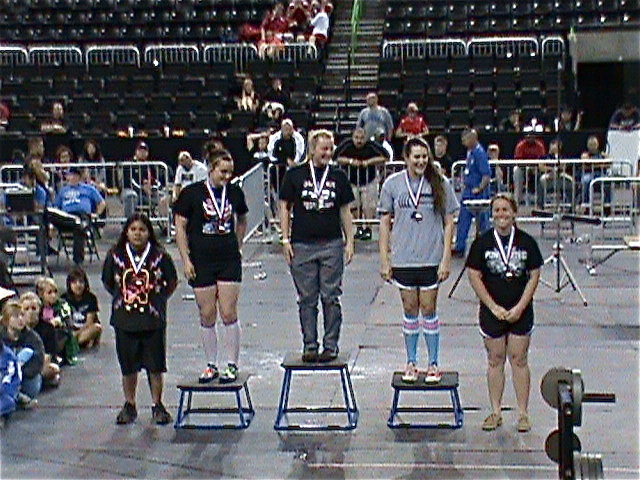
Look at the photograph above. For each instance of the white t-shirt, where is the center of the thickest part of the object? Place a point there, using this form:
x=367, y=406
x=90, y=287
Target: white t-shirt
x=320, y=24
x=196, y=173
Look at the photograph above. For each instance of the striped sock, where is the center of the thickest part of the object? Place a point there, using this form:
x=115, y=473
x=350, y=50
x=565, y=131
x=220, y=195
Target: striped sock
x=431, y=331
x=411, y=331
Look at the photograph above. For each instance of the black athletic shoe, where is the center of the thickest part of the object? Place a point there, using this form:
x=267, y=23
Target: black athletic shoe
x=127, y=415
x=310, y=356
x=327, y=356
x=160, y=415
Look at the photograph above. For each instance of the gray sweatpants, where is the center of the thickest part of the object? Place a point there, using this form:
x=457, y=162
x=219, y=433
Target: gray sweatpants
x=317, y=269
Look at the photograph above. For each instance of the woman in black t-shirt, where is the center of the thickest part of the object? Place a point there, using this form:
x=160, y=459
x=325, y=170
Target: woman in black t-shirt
x=211, y=223
x=504, y=269
x=84, y=308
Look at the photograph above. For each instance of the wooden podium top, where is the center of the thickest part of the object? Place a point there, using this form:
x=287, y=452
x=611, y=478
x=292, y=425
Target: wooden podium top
x=193, y=385
x=449, y=380
x=294, y=361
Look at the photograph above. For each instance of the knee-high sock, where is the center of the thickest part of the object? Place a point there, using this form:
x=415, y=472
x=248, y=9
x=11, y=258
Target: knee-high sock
x=431, y=330
x=411, y=331
x=210, y=343
x=230, y=337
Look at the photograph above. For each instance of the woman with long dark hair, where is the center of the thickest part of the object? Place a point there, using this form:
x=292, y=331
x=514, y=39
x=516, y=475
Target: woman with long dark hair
x=415, y=254
x=141, y=276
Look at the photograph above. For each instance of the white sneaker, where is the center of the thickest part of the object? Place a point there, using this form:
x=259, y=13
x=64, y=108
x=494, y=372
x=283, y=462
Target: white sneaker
x=433, y=374
x=410, y=374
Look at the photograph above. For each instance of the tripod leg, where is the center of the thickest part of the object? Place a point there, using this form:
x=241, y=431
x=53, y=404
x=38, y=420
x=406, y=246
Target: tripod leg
x=455, y=285
x=572, y=280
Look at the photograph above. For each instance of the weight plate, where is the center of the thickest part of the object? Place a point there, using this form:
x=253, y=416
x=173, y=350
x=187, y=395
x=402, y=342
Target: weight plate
x=599, y=468
x=552, y=446
x=577, y=389
x=576, y=465
x=584, y=466
x=549, y=384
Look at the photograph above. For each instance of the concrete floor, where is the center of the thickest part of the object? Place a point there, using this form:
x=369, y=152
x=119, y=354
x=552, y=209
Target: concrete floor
x=72, y=432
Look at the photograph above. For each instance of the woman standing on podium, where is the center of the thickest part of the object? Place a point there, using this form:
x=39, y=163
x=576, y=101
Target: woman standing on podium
x=504, y=269
x=421, y=203
x=211, y=222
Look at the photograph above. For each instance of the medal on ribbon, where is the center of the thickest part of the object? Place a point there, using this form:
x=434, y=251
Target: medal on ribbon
x=219, y=208
x=415, y=198
x=317, y=187
x=505, y=256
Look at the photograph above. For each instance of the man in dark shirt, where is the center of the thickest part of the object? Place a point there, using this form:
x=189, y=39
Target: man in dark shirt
x=277, y=94
x=319, y=197
x=440, y=145
x=360, y=158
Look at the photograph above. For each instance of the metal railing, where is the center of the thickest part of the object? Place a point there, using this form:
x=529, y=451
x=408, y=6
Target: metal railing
x=171, y=53
x=56, y=55
x=294, y=52
x=112, y=55
x=13, y=55
x=425, y=48
x=240, y=54
x=504, y=47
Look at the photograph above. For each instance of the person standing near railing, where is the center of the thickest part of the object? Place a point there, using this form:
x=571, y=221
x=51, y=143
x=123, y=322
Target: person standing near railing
x=477, y=176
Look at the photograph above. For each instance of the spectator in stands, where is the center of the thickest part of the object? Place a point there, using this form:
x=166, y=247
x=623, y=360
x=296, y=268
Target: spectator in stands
x=511, y=123
x=189, y=171
x=476, y=187
x=286, y=146
x=441, y=156
x=381, y=140
x=249, y=100
x=298, y=15
x=320, y=23
x=270, y=46
x=551, y=184
x=374, y=116
x=36, y=158
x=41, y=196
x=498, y=173
x=31, y=306
x=567, y=122
x=80, y=200
x=275, y=21
x=257, y=144
x=412, y=124
x=96, y=176
x=18, y=157
x=5, y=115
x=215, y=143
x=277, y=93
x=56, y=124
x=271, y=116
x=590, y=172
x=26, y=344
x=360, y=158
x=626, y=117
x=63, y=155
x=141, y=186
x=529, y=148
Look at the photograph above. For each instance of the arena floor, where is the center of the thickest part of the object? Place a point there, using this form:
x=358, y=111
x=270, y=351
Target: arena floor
x=72, y=433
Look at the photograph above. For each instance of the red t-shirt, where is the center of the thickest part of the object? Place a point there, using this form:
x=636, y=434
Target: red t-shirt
x=530, y=151
x=415, y=125
x=275, y=24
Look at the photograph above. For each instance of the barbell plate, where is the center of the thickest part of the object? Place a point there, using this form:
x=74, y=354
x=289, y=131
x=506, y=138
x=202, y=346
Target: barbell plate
x=584, y=466
x=552, y=445
x=577, y=389
x=599, y=468
x=549, y=384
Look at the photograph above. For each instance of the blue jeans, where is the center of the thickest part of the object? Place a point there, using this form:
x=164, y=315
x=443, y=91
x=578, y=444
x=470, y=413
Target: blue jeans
x=317, y=270
x=464, y=224
x=31, y=386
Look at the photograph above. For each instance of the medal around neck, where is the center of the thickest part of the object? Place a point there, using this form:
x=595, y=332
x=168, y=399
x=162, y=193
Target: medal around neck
x=219, y=208
x=505, y=256
x=415, y=197
x=317, y=187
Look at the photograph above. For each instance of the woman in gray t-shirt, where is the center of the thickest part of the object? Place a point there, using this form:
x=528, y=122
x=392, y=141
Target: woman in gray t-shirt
x=415, y=254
